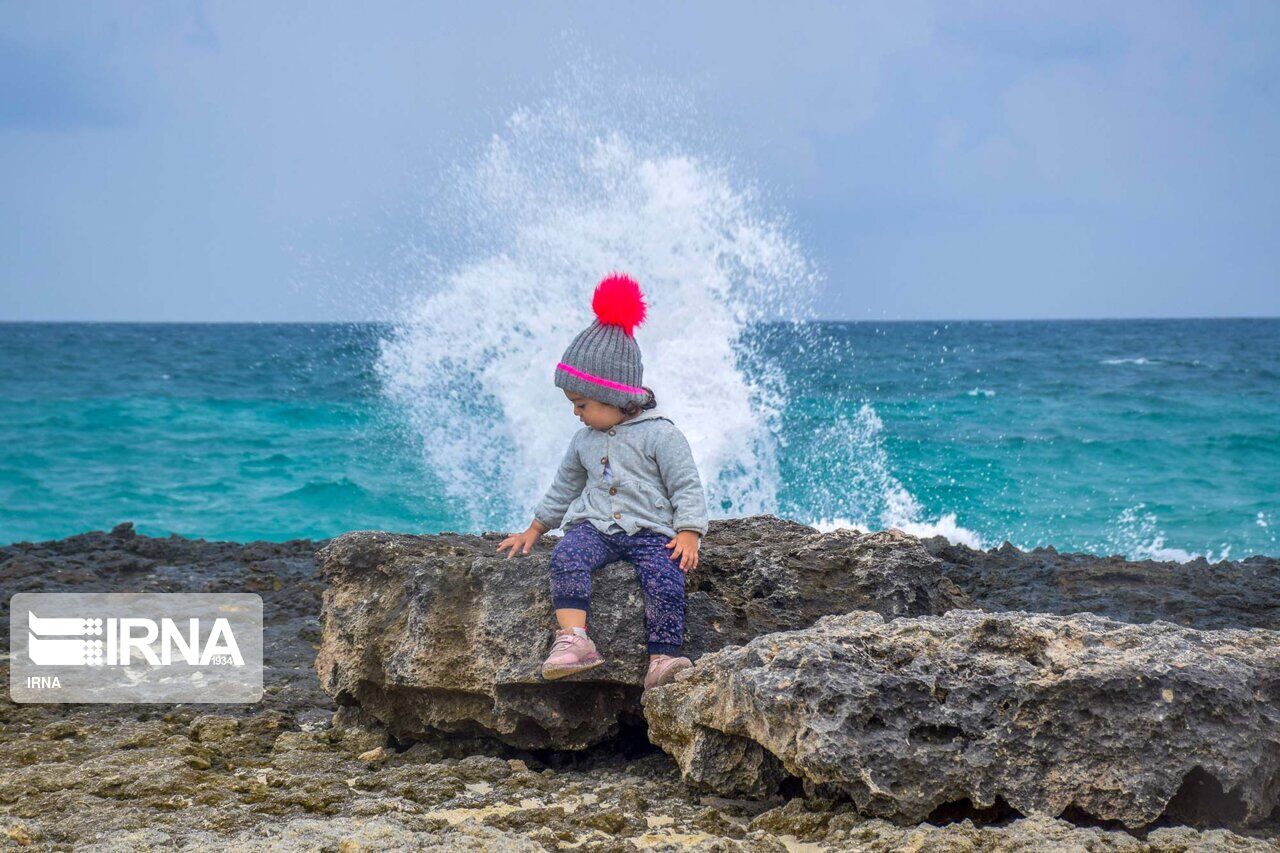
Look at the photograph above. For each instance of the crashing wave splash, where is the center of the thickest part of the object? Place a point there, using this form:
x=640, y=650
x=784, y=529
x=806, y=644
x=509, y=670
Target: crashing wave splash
x=557, y=198
x=1137, y=535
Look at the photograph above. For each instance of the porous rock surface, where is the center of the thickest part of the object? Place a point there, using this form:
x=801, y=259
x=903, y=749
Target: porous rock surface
x=198, y=782
x=441, y=633
x=278, y=775
x=1050, y=715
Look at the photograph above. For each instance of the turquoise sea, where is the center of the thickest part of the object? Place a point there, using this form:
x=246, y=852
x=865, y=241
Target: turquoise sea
x=1149, y=438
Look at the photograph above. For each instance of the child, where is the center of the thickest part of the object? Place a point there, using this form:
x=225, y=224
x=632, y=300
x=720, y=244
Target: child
x=627, y=489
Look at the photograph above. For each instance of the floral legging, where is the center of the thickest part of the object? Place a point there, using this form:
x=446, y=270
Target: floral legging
x=583, y=549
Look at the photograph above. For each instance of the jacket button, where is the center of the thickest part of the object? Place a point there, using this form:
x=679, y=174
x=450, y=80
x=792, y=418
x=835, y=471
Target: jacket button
x=617, y=515
x=604, y=460
x=613, y=432
x=613, y=490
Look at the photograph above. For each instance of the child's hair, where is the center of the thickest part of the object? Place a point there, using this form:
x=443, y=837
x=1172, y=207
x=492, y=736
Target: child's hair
x=633, y=409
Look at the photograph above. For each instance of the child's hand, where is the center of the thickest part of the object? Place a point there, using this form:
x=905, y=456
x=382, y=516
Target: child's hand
x=686, y=549
x=522, y=542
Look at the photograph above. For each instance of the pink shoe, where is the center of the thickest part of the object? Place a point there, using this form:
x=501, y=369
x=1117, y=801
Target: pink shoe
x=663, y=669
x=570, y=653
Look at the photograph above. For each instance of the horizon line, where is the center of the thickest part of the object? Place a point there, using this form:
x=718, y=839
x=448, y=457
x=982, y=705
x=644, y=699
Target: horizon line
x=1201, y=318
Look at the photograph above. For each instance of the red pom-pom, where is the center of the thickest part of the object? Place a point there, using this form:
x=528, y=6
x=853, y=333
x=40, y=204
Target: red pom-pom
x=619, y=302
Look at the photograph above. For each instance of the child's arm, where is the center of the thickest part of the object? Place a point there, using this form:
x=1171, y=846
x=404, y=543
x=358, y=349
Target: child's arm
x=680, y=478
x=570, y=479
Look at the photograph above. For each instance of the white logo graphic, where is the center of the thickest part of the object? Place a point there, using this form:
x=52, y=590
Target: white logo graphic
x=54, y=641
x=135, y=647
x=48, y=644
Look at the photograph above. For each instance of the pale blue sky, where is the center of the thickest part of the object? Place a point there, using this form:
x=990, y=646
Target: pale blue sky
x=246, y=161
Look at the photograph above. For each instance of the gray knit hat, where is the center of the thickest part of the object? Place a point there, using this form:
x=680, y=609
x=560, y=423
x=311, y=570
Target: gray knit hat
x=603, y=362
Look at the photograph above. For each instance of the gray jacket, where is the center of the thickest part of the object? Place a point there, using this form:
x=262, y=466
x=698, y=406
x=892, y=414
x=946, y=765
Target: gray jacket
x=639, y=474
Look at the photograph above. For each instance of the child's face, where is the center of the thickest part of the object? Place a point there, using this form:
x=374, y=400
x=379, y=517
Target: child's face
x=593, y=413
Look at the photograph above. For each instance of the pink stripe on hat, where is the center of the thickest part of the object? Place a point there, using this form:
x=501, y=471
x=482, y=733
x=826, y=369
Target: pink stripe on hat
x=605, y=383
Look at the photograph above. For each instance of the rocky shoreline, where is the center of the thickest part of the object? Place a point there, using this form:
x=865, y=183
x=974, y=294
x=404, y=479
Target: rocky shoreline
x=391, y=754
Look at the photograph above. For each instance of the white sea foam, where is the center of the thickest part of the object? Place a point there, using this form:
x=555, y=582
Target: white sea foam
x=946, y=527
x=1138, y=361
x=981, y=392
x=1137, y=535
x=850, y=452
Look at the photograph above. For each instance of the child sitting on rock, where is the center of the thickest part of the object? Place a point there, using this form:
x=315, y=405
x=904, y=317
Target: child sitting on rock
x=627, y=489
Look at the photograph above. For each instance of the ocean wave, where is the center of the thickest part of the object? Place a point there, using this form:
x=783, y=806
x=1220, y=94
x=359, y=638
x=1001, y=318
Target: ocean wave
x=273, y=462
x=323, y=491
x=980, y=392
x=945, y=526
x=1138, y=361
x=1136, y=534
x=1156, y=550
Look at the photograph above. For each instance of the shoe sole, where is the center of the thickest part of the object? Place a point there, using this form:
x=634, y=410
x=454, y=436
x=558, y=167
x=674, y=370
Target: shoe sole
x=670, y=674
x=551, y=673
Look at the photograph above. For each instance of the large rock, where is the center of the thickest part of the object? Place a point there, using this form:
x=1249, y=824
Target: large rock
x=1052, y=715
x=440, y=633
